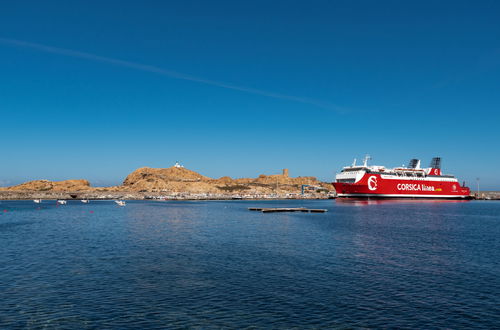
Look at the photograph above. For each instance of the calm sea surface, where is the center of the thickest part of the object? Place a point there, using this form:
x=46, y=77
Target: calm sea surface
x=218, y=265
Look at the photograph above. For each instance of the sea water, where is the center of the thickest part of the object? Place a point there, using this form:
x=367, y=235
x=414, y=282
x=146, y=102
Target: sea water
x=214, y=264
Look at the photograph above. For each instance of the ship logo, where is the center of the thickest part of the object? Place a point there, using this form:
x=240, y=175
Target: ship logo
x=372, y=183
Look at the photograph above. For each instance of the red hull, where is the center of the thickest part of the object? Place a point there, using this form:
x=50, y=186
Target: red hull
x=379, y=185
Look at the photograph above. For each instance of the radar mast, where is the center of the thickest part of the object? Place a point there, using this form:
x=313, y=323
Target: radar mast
x=365, y=161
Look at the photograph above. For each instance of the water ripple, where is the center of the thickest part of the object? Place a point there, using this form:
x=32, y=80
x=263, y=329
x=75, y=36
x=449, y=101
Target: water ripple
x=216, y=265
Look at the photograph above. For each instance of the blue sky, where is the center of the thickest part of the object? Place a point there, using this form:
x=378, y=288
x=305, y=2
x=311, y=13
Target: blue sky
x=96, y=89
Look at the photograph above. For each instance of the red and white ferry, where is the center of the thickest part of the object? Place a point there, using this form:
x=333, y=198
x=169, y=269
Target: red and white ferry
x=411, y=181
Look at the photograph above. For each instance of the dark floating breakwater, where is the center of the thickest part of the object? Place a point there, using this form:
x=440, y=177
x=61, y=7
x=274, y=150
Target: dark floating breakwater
x=287, y=209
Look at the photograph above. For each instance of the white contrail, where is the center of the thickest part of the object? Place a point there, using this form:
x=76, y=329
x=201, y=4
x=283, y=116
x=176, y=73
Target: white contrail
x=168, y=73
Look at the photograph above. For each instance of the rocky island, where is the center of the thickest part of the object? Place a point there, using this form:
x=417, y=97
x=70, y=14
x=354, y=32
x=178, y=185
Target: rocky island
x=175, y=182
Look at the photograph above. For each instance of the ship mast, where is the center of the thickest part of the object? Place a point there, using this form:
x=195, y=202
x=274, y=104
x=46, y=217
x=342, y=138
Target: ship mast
x=365, y=161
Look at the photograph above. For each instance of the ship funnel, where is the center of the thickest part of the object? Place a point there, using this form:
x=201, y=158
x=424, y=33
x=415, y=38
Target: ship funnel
x=436, y=162
x=414, y=163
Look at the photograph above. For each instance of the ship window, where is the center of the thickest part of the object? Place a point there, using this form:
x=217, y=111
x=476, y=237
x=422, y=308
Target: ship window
x=346, y=180
x=351, y=170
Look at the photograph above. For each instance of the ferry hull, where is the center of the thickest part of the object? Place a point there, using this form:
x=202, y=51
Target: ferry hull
x=380, y=186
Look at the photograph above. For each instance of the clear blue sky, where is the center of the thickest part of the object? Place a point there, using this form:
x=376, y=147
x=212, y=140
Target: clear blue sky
x=96, y=89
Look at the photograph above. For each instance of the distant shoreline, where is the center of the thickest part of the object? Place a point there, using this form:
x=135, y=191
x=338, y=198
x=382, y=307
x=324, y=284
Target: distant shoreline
x=129, y=195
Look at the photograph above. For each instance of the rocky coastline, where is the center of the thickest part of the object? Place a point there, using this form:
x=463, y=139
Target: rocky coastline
x=128, y=195
x=175, y=183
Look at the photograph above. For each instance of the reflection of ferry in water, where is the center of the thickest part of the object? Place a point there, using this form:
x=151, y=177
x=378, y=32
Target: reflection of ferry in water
x=411, y=181
x=363, y=201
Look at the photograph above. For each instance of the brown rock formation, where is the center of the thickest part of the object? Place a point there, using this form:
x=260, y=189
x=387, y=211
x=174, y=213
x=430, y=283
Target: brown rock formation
x=46, y=185
x=175, y=179
x=180, y=180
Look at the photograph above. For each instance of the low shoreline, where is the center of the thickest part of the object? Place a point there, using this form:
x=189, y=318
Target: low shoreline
x=128, y=195
x=486, y=195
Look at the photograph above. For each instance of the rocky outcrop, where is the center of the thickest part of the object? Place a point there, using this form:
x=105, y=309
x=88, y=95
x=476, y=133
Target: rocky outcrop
x=181, y=180
x=46, y=185
x=178, y=174
x=177, y=179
